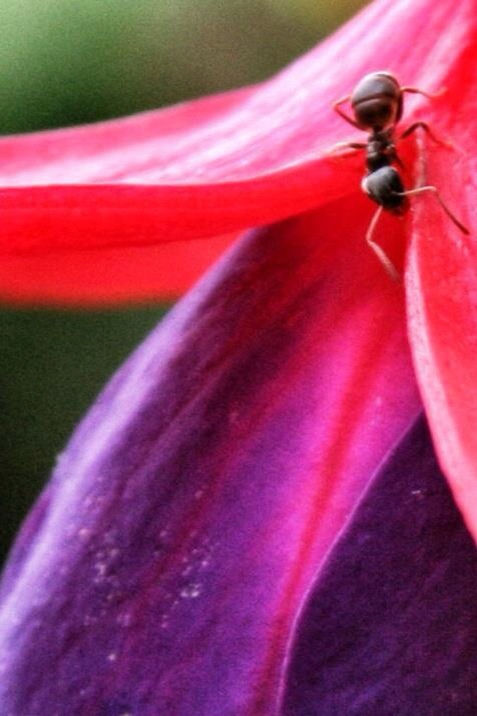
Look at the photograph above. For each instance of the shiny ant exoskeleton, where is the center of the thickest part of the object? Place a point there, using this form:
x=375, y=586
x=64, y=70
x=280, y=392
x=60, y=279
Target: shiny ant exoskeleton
x=377, y=103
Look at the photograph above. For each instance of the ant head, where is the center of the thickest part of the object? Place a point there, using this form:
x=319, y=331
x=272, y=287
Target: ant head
x=377, y=101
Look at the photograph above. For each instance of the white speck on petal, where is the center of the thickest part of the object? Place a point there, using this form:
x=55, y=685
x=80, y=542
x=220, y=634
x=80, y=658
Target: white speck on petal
x=191, y=591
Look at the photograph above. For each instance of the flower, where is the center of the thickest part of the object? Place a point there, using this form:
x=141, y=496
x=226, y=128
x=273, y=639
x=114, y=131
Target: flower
x=251, y=518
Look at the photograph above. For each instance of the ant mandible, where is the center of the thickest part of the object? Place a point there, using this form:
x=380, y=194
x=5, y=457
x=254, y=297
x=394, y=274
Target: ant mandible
x=377, y=104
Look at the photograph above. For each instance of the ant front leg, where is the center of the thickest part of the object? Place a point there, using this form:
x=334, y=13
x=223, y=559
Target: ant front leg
x=336, y=107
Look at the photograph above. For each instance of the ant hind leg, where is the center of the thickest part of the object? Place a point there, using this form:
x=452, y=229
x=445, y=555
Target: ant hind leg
x=381, y=255
x=434, y=190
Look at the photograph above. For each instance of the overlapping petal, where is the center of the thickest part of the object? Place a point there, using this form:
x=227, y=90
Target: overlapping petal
x=190, y=513
x=221, y=164
x=110, y=275
x=442, y=295
x=390, y=624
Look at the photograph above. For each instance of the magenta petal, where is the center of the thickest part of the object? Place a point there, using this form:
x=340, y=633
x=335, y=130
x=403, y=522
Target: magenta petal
x=191, y=511
x=390, y=627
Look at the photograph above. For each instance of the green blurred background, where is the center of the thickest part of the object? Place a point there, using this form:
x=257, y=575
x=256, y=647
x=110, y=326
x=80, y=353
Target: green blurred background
x=64, y=62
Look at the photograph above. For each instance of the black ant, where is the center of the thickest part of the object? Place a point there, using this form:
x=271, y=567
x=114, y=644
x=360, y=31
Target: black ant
x=377, y=103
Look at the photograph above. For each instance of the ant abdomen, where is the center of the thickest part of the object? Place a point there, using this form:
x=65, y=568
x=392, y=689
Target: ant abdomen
x=385, y=187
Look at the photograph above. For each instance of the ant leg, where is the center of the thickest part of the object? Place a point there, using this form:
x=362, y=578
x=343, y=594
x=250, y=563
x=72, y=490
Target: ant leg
x=383, y=258
x=399, y=161
x=339, y=146
x=415, y=90
x=426, y=128
x=434, y=190
x=341, y=113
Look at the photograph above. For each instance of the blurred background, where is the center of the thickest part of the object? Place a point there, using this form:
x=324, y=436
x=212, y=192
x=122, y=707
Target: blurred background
x=64, y=62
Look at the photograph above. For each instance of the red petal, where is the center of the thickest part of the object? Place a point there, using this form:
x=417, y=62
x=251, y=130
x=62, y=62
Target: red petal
x=220, y=164
x=442, y=298
x=110, y=275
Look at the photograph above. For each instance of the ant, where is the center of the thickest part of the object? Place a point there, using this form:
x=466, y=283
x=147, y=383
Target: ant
x=377, y=104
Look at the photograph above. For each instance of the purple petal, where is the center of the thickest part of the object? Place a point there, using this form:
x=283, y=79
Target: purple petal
x=390, y=627
x=195, y=504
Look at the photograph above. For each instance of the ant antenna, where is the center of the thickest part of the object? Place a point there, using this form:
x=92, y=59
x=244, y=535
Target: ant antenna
x=430, y=95
x=382, y=256
x=434, y=190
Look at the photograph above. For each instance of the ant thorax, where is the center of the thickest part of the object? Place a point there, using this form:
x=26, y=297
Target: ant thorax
x=380, y=149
